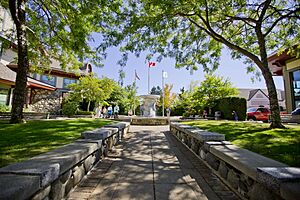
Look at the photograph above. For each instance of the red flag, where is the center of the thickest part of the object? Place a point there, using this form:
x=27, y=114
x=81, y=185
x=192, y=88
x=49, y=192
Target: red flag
x=152, y=64
x=136, y=76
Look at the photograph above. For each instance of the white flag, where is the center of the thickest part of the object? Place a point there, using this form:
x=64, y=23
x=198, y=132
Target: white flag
x=165, y=74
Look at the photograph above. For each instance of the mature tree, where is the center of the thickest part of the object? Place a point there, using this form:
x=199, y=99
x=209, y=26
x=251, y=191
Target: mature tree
x=183, y=103
x=193, y=32
x=54, y=29
x=91, y=88
x=212, y=88
x=156, y=90
x=169, y=97
x=131, y=101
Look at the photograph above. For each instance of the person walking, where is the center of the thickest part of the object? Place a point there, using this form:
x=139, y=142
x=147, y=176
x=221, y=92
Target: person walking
x=235, y=115
x=116, y=111
x=109, y=111
x=104, y=111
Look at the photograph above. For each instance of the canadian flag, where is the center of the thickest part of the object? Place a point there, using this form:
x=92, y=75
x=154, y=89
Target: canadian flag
x=152, y=64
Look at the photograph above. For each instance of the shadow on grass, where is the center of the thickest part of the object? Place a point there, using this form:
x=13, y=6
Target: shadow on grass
x=21, y=141
x=282, y=145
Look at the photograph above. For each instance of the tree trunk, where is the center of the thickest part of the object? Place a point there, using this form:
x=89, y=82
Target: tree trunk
x=17, y=9
x=274, y=105
x=88, y=107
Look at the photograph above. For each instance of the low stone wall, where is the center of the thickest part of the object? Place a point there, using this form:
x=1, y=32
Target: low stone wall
x=250, y=175
x=27, y=115
x=52, y=175
x=149, y=121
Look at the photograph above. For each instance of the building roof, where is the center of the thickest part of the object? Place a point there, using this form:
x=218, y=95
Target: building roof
x=253, y=92
x=249, y=93
x=8, y=76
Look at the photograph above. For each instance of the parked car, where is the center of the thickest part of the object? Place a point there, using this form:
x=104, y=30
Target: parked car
x=258, y=114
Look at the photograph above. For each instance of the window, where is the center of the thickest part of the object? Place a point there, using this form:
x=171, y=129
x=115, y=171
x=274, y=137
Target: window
x=3, y=96
x=51, y=80
x=68, y=81
x=296, y=87
x=259, y=96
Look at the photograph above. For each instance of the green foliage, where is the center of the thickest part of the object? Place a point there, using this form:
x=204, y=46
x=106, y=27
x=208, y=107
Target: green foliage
x=4, y=108
x=282, y=145
x=183, y=103
x=62, y=30
x=211, y=89
x=130, y=99
x=20, y=142
x=229, y=104
x=91, y=88
x=69, y=108
x=82, y=112
x=194, y=32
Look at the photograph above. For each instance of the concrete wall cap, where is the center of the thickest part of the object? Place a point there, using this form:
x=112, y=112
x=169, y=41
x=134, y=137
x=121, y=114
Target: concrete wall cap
x=18, y=187
x=46, y=173
x=98, y=142
x=243, y=159
x=281, y=173
x=54, y=162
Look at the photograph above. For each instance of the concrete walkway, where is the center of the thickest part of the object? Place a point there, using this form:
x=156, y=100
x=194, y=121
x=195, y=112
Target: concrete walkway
x=151, y=164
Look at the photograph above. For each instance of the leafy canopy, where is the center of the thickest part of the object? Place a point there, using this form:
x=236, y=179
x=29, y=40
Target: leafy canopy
x=91, y=88
x=193, y=32
x=62, y=30
x=212, y=88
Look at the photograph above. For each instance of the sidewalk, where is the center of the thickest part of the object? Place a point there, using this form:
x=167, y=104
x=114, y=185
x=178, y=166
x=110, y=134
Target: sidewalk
x=151, y=164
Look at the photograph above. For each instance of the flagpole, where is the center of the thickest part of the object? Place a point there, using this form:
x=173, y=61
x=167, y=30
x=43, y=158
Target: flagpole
x=148, y=78
x=163, y=94
x=134, y=95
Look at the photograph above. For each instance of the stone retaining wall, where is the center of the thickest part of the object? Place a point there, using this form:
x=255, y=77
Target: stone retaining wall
x=250, y=175
x=153, y=121
x=53, y=175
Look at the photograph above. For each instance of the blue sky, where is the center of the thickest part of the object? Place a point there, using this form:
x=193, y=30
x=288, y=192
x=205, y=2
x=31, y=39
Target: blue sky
x=235, y=70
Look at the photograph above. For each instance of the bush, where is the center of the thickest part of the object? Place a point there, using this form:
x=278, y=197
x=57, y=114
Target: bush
x=69, y=108
x=4, y=108
x=81, y=112
x=229, y=104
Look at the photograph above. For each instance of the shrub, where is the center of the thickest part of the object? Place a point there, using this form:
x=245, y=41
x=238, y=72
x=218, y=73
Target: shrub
x=70, y=108
x=81, y=112
x=229, y=104
x=4, y=108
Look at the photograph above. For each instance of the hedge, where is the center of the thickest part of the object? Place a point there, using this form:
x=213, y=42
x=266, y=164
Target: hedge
x=229, y=104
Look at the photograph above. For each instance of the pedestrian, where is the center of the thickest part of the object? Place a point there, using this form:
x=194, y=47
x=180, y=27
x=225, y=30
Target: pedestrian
x=235, y=115
x=109, y=111
x=204, y=114
x=116, y=111
x=168, y=112
x=104, y=111
x=98, y=111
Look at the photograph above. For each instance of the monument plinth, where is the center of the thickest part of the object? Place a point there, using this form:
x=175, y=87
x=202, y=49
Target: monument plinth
x=148, y=112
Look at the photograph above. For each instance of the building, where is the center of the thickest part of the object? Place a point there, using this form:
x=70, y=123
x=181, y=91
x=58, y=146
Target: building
x=259, y=97
x=288, y=67
x=45, y=91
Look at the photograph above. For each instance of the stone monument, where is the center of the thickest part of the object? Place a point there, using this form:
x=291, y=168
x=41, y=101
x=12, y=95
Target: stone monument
x=148, y=112
x=148, y=106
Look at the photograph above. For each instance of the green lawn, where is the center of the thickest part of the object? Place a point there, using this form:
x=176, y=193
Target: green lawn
x=279, y=144
x=19, y=142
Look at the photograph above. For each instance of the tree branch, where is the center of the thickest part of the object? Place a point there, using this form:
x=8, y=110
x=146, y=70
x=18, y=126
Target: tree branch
x=264, y=10
x=13, y=11
x=221, y=39
x=281, y=18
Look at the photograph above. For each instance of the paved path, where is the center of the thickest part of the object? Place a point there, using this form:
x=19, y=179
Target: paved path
x=151, y=164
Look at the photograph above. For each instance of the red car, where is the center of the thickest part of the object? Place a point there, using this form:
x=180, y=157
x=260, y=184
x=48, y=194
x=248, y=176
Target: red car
x=258, y=113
